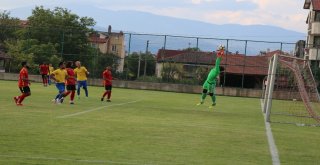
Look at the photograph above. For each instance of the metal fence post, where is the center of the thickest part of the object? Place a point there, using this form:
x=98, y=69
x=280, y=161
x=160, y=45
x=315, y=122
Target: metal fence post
x=139, y=64
x=145, y=60
x=225, y=68
x=163, y=52
x=129, y=49
x=244, y=63
x=197, y=43
x=62, y=44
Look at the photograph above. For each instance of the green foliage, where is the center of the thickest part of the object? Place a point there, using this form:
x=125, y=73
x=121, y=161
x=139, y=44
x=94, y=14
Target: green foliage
x=62, y=27
x=8, y=26
x=172, y=71
x=153, y=79
x=18, y=51
x=31, y=51
x=102, y=61
x=51, y=36
x=42, y=52
x=202, y=73
x=131, y=63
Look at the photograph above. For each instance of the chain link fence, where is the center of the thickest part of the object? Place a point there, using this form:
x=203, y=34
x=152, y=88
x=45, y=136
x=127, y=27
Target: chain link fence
x=147, y=57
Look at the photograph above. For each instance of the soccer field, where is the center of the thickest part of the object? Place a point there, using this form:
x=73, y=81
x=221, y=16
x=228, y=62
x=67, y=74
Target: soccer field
x=144, y=127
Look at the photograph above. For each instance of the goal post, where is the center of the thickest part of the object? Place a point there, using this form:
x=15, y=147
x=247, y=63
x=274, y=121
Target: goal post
x=270, y=85
x=291, y=94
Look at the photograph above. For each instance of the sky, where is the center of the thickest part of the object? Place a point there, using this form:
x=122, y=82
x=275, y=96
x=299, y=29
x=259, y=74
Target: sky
x=288, y=14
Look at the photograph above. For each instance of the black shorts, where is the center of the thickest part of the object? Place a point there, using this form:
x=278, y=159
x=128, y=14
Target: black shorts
x=25, y=89
x=44, y=76
x=108, y=87
x=71, y=87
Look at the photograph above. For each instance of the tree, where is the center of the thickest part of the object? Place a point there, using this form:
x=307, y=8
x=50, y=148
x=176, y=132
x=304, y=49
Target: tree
x=104, y=60
x=18, y=53
x=132, y=63
x=66, y=30
x=202, y=73
x=172, y=71
x=31, y=51
x=8, y=26
x=42, y=52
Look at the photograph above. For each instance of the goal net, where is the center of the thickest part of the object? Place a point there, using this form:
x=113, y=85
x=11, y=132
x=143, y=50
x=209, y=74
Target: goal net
x=290, y=92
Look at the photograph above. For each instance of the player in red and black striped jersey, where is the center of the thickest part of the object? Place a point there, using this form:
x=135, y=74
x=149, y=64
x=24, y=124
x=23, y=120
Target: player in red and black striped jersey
x=23, y=84
x=107, y=82
x=70, y=83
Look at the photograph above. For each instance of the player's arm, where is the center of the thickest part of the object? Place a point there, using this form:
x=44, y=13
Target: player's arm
x=52, y=76
x=87, y=72
x=75, y=72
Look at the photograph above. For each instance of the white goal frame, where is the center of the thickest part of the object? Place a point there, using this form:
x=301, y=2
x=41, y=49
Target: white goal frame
x=268, y=93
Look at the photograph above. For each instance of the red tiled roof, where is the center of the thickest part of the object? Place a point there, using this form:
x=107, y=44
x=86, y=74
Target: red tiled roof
x=254, y=65
x=315, y=4
x=96, y=39
x=24, y=23
x=232, y=63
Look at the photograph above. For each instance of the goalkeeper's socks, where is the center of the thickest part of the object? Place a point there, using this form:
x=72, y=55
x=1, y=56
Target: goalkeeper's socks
x=213, y=98
x=203, y=97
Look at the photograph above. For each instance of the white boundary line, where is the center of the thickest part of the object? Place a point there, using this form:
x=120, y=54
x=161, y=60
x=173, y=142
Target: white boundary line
x=67, y=159
x=272, y=145
x=95, y=109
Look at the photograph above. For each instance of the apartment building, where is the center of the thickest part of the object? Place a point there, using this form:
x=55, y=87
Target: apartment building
x=313, y=40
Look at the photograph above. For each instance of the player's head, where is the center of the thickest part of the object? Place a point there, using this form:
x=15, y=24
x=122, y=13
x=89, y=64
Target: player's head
x=62, y=65
x=69, y=64
x=50, y=64
x=109, y=68
x=24, y=64
x=78, y=63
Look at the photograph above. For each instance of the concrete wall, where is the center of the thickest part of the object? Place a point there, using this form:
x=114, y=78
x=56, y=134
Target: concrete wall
x=155, y=86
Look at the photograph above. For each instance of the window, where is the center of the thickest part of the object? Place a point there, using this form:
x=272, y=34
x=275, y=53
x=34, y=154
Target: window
x=316, y=41
x=94, y=45
x=317, y=16
x=114, y=48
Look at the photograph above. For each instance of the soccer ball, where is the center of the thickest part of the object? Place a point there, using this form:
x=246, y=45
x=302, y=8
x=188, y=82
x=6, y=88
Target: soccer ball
x=221, y=47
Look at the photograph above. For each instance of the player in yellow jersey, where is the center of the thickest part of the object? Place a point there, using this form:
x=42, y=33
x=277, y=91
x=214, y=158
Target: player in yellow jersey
x=81, y=73
x=59, y=76
x=51, y=69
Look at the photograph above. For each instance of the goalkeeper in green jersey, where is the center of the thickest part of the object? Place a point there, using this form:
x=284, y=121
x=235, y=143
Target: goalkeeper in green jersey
x=209, y=87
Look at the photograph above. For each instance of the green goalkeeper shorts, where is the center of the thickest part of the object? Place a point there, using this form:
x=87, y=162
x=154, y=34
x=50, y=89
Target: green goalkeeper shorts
x=211, y=88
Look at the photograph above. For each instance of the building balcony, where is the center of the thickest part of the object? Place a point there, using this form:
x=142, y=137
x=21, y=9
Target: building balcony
x=314, y=54
x=315, y=28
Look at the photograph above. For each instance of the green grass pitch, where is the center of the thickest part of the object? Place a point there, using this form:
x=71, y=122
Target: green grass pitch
x=143, y=127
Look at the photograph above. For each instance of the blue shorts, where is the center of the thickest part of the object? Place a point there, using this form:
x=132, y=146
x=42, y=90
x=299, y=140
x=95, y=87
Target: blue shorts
x=60, y=87
x=82, y=84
